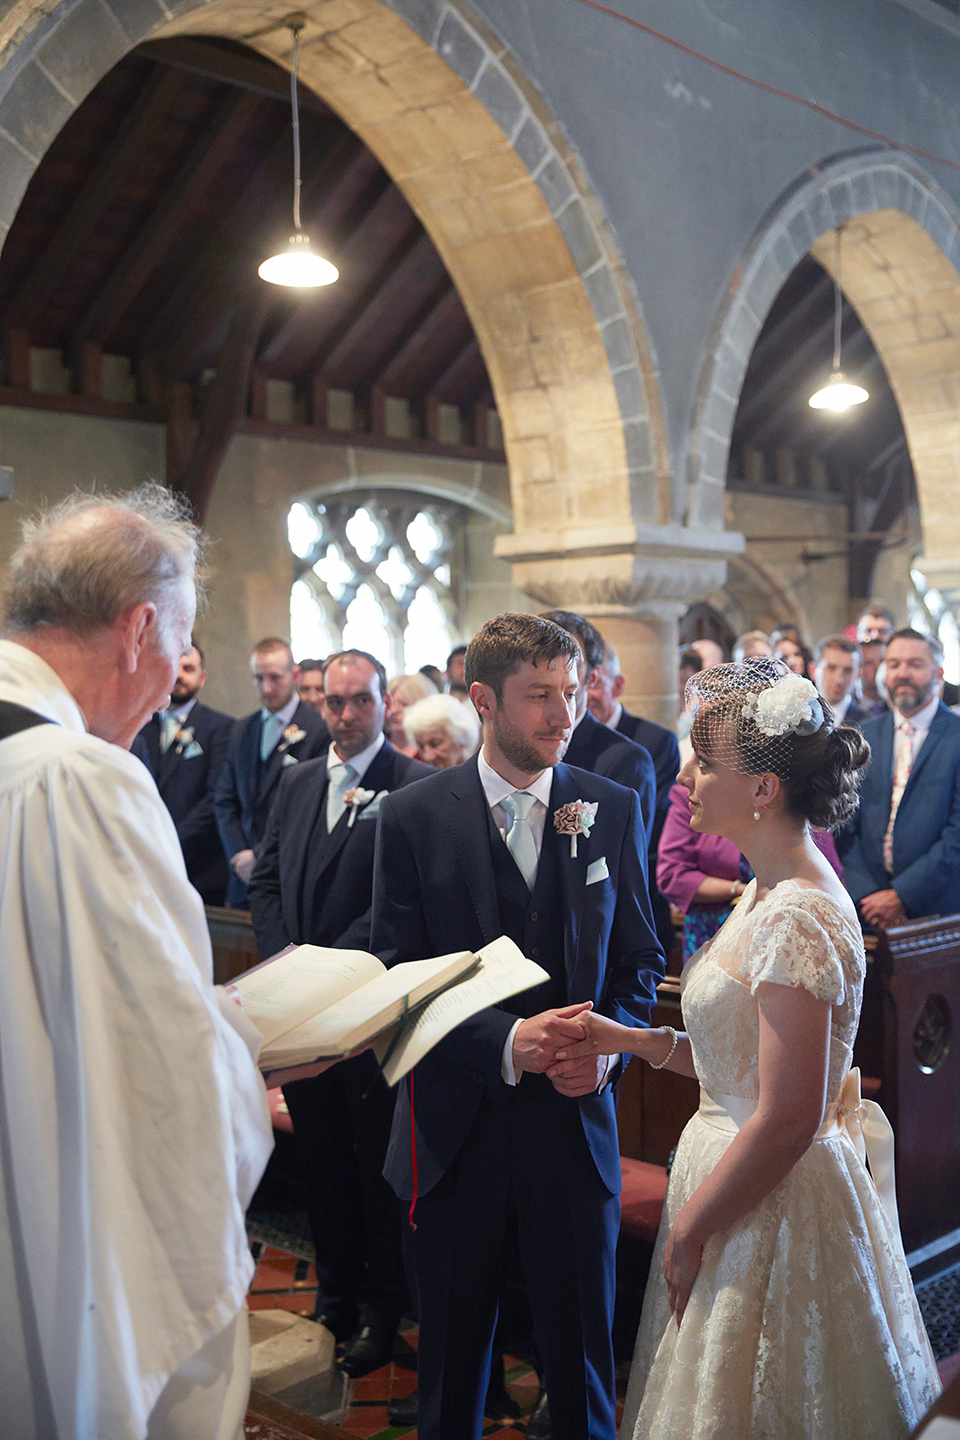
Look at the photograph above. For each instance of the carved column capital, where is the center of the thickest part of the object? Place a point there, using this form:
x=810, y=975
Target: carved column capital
x=619, y=570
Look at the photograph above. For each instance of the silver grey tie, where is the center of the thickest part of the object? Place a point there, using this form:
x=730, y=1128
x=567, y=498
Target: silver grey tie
x=520, y=838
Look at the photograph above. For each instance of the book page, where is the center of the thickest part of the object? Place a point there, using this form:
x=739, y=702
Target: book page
x=282, y=994
x=503, y=971
x=366, y=1012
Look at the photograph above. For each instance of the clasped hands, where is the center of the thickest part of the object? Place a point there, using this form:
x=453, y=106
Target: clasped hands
x=537, y=1041
x=883, y=909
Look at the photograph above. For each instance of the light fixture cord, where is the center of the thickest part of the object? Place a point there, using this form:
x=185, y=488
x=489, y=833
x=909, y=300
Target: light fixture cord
x=838, y=305
x=295, y=106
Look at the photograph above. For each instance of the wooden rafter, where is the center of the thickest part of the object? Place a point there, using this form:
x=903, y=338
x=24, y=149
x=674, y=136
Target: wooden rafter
x=86, y=213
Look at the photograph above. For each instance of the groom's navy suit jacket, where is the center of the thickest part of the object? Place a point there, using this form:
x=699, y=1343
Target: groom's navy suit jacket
x=926, y=834
x=312, y=886
x=435, y=892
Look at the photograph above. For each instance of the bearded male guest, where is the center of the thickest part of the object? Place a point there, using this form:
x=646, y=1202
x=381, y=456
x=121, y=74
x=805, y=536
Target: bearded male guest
x=184, y=747
x=901, y=850
x=516, y=842
x=313, y=884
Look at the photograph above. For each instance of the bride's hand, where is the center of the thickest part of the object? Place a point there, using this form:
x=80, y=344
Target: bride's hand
x=600, y=1037
x=681, y=1266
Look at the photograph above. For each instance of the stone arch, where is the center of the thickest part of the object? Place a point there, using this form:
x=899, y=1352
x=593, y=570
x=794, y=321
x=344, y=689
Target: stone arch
x=462, y=132
x=901, y=258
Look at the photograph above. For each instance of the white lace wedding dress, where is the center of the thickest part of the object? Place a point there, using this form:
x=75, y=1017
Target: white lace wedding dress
x=802, y=1323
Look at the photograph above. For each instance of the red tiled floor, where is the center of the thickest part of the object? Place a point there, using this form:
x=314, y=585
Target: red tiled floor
x=275, y=1287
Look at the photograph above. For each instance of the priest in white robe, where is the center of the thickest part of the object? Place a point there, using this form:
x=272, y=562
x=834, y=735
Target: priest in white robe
x=133, y=1122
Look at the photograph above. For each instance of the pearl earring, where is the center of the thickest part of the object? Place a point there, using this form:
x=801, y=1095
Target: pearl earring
x=756, y=814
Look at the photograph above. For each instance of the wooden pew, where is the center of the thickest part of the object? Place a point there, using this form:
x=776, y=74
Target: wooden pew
x=908, y=1037
x=234, y=945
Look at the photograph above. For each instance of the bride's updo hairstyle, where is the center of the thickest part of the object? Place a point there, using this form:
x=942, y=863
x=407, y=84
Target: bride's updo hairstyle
x=758, y=717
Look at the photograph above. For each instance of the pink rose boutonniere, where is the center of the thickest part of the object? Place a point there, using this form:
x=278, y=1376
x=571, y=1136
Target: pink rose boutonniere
x=291, y=736
x=575, y=818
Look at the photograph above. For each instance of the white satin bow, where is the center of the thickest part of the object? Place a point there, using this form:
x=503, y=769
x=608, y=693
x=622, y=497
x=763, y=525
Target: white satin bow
x=872, y=1135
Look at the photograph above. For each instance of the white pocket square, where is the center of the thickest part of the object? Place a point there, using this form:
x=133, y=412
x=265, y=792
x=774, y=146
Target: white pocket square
x=597, y=870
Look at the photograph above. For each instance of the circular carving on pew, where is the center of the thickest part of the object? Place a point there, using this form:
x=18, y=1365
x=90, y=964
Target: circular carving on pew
x=932, y=1034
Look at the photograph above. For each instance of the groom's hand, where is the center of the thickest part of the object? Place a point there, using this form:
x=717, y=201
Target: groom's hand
x=538, y=1039
x=579, y=1077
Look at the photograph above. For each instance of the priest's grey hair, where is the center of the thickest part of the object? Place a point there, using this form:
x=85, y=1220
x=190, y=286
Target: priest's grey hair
x=83, y=563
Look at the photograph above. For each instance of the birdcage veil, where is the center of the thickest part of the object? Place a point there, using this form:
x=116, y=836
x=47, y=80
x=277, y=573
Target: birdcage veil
x=747, y=715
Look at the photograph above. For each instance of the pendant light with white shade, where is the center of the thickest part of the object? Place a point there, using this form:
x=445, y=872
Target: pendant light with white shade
x=839, y=393
x=298, y=266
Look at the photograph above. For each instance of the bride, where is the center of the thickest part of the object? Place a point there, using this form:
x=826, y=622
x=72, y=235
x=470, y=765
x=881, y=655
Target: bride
x=779, y=1304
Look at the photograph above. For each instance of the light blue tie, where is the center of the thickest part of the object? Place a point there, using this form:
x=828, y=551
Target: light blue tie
x=270, y=735
x=169, y=730
x=520, y=838
x=341, y=778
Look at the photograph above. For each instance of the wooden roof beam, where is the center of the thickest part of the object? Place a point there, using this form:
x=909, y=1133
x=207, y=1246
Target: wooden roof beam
x=374, y=309
x=251, y=72
x=86, y=212
x=144, y=255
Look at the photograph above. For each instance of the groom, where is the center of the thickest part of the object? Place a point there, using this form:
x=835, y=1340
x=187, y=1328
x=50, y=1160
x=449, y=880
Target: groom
x=462, y=857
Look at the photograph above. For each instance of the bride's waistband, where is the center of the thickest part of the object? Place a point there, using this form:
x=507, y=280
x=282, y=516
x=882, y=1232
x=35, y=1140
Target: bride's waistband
x=861, y=1121
x=730, y=1112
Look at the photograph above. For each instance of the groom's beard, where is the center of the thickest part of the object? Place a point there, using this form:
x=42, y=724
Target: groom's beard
x=521, y=752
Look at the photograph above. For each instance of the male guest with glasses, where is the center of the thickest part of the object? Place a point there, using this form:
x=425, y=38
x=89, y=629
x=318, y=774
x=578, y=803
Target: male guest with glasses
x=313, y=885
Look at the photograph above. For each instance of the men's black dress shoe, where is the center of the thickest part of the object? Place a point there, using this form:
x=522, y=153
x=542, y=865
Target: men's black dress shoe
x=340, y=1329
x=497, y=1406
x=403, y=1410
x=538, y=1425
x=370, y=1348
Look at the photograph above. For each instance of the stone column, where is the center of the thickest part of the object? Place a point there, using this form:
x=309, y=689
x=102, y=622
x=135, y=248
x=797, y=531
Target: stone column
x=634, y=583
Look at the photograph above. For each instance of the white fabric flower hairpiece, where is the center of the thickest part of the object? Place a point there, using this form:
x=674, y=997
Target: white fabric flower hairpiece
x=789, y=707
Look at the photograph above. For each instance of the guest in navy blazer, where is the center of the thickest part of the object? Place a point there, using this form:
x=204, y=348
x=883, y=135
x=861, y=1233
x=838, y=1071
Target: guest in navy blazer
x=280, y=734
x=503, y=1134
x=313, y=885
x=924, y=876
x=603, y=698
x=184, y=748
x=836, y=675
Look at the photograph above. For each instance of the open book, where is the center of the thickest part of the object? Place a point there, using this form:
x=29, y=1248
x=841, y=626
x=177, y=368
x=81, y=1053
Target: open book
x=310, y=1003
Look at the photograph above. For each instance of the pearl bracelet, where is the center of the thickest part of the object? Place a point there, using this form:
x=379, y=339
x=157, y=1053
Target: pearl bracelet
x=669, y=1055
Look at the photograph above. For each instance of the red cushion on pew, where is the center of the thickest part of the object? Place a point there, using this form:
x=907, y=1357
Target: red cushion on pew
x=641, y=1201
x=870, y=1085
x=279, y=1114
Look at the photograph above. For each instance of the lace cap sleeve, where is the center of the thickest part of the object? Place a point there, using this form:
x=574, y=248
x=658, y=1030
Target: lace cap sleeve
x=794, y=942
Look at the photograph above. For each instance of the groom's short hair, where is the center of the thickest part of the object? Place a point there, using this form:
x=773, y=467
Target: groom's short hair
x=506, y=642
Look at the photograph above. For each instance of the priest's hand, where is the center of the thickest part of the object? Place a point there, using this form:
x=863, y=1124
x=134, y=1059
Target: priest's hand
x=242, y=865
x=882, y=909
x=538, y=1039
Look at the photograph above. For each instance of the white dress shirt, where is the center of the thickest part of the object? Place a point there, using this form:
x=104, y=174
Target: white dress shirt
x=614, y=720
x=495, y=789
x=841, y=708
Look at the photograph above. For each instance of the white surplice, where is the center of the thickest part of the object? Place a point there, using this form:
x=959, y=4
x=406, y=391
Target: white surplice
x=134, y=1125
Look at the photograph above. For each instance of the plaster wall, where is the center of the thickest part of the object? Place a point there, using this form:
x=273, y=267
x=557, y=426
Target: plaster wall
x=688, y=162
x=250, y=566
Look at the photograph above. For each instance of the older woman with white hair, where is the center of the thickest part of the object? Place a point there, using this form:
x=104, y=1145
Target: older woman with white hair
x=445, y=731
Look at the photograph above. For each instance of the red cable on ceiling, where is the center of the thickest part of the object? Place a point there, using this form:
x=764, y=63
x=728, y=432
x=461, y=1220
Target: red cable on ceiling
x=770, y=89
